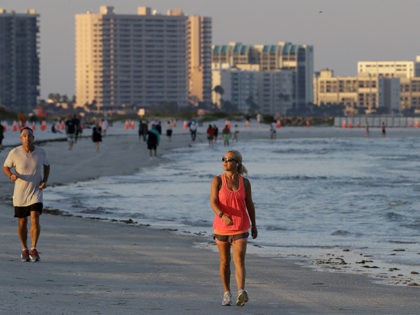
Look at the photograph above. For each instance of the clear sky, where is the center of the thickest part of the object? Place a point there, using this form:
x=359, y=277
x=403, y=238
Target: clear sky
x=342, y=32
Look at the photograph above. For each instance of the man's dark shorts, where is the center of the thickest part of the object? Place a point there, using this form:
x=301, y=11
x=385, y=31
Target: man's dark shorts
x=23, y=212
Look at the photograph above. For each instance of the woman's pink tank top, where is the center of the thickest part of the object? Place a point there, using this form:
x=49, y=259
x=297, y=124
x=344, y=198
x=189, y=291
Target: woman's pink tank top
x=232, y=203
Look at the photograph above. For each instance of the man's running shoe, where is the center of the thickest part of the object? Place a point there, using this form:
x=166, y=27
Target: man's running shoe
x=24, y=256
x=227, y=296
x=242, y=298
x=34, y=255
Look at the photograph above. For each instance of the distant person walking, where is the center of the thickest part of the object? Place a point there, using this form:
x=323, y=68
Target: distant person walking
x=273, y=132
x=70, y=132
x=383, y=128
x=78, y=127
x=169, y=130
x=236, y=133
x=231, y=201
x=143, y=128
x=97, y=136
x=226, y=135
x=210, y=135
x=216, y=132
x=259, y=119
x=153, y=138
x=193, y=130
x=27, y=166
x=104, y=127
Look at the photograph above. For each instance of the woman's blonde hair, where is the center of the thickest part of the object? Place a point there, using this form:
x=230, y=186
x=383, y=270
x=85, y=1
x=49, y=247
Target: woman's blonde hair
x=238, y=156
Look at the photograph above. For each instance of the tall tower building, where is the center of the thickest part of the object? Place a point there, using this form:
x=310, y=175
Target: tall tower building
x=19, y=60
x=199, y=33
x=281, y=56
x=138, y=60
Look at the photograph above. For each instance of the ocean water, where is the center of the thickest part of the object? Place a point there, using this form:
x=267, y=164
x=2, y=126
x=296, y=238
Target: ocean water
x=335, y=204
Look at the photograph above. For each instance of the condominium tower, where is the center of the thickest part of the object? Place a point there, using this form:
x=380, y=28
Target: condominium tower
x=281, y=56
x=199, y=32
x=137, y=60
x=249, y=89
x=19, y=60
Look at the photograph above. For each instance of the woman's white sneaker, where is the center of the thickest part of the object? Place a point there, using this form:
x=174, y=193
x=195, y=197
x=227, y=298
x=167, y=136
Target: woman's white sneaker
x=227, y=299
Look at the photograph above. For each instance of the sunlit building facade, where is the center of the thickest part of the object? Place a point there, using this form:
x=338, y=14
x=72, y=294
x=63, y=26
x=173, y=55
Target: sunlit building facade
x=199, y=34
x=387, y=69
x=19, y=60
x=390, y=85
x=137, y=60
x=408, y=73
x=366, y=93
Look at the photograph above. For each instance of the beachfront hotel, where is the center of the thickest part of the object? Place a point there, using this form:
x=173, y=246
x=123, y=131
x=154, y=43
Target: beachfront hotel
x=137, y=60
x=380, y=86
x=19, y=60
x=366, y=93
x=276, y=94
x=408, y=73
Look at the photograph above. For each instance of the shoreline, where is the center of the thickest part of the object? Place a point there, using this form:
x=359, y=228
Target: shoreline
x=330, y=259
x=146, y=264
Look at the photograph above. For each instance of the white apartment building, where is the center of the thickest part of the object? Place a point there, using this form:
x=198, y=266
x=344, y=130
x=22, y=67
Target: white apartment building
x=276, y=90
x=280, y=56
x=270, y=91
x=239, y=86
x=331, y=90
x=394, y=85
x=387, y=69
x=137, y=60
x=367, y=92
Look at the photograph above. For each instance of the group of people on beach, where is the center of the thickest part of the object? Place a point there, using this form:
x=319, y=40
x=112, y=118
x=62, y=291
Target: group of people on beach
x=73, y=129
x=28, y=167
x=227, y=134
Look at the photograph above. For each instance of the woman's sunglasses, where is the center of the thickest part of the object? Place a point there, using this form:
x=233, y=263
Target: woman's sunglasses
x=227, y=160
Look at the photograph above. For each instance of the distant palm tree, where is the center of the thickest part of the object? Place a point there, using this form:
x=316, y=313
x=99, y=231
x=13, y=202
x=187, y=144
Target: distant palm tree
x=218, y=89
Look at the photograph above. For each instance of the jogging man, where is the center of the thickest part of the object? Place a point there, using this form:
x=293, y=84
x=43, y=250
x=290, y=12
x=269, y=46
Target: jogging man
x=28, y=167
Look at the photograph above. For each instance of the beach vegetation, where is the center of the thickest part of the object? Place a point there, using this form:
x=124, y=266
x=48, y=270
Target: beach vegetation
x=5, y=114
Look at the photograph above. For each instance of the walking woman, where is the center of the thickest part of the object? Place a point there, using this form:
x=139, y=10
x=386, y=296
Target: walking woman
x=97, y=135
x=231, y=201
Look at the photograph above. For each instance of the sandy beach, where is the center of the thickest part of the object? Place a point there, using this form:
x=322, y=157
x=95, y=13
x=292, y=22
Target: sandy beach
x=99, y=267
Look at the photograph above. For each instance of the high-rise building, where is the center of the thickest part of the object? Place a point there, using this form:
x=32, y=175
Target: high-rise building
x=199, y=33
x=250, y=90
x=137, y=60
x=282, y=56
x=19, y=60
x=239, y=86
